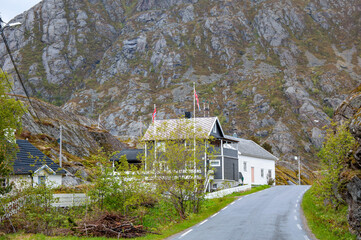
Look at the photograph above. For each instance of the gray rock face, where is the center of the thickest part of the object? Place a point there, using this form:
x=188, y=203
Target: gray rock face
x=354, y=202
x=350, y=111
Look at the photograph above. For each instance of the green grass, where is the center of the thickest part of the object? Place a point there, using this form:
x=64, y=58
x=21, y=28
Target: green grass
x=324, y=221
x=165, y=228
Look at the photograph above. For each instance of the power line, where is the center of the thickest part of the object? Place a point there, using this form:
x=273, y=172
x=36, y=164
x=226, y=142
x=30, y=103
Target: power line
x=18, y=74
x=18, y=100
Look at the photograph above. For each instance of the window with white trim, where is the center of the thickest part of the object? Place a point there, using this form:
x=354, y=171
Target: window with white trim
x=215, y=163
x=215, y=128
x=262, y=172
x=269, y=173
x=245, y=166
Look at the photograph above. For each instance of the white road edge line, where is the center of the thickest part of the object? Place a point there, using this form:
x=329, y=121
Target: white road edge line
x=299, y=226
x=225, y=208
x=296, y=205
x=214, y=215
x=306, y=238
x=203, y=222
x=295, y=218
x=186, y=233
x=232, y=203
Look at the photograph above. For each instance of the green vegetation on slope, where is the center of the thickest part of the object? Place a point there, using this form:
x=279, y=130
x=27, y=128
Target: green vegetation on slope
x=325, y=222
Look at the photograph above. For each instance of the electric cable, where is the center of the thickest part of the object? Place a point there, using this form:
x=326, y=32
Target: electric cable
x=18, y=74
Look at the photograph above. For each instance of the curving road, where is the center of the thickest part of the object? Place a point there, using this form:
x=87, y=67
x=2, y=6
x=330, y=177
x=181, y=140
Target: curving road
x=273, y=214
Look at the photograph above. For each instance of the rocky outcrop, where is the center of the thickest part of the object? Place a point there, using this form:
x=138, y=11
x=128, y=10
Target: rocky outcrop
x=272, y=70
x=350, y=112
x=80, y=137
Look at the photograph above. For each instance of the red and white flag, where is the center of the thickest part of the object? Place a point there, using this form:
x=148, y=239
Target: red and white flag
x=196, y=96
x=154, y=113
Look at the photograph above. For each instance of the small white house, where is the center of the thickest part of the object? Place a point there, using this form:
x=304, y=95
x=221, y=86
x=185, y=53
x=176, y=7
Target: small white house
x=31, y=166
x=255, y=163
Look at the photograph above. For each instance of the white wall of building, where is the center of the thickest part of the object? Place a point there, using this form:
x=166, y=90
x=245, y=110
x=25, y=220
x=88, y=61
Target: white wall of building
x=53, y=180
x=22, y=181
x=258, y=164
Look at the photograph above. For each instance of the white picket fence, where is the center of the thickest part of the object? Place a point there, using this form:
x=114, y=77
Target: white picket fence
x=224, y=192
x=12, y=208
x=70, y=199
x=64, y=200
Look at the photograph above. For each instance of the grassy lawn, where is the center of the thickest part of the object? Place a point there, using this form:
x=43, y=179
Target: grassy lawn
x=324, y=221
x=165, y=228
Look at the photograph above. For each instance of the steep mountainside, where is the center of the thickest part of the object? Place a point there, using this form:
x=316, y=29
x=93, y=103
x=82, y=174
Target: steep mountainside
x=81, y=137
x=271, y=69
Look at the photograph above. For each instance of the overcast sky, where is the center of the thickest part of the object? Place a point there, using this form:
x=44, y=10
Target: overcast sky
x=10, y=8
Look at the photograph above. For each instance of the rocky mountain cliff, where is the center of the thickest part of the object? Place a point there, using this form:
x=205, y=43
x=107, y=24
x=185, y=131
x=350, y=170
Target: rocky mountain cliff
x=275, y=70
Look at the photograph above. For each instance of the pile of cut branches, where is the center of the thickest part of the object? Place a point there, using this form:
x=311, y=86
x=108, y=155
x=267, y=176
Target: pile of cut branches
x=111, y=225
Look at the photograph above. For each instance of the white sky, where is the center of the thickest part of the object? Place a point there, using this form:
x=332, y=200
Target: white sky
x=10, y=8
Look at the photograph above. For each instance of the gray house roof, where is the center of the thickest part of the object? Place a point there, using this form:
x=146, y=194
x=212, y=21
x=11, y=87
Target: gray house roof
x=251, y=149
x=29, y=159
x=181, y=128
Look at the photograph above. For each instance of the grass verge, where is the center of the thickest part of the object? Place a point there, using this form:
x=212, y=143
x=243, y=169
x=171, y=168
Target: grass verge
x=210, y=207
x=324, y=221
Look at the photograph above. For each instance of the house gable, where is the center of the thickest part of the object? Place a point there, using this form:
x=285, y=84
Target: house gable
x=216, y=130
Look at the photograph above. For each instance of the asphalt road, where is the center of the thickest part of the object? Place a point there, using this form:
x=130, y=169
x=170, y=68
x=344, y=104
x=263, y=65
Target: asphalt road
x=273, y=214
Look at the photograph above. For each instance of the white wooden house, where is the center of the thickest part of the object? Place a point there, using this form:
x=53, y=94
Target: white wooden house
x=255, y=163
x=224, y=162
x=33, y=167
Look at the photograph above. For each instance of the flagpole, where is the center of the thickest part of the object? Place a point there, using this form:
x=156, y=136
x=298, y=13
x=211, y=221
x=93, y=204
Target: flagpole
x=155, y=133
x=194, y=131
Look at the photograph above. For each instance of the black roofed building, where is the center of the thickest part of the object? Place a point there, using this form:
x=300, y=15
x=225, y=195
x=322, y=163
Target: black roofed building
x=34, y=167
x=132, y=155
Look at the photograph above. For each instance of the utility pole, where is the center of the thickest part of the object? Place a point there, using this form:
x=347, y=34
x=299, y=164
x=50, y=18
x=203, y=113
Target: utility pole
x=299, y=169
x=60, y=153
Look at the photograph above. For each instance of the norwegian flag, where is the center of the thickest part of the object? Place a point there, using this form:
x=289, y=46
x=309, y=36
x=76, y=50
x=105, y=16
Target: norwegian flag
x=154, y=113
x=196, y=96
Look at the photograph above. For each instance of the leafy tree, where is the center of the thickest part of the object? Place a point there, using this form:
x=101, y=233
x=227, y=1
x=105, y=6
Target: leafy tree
x=10, y=121
x=119, y=188
x=176, y=167
x=334, y=155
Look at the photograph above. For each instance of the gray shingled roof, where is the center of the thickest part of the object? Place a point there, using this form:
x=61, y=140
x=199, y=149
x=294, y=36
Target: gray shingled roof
x=29, y=159
x=179, y=128
x=251, y=149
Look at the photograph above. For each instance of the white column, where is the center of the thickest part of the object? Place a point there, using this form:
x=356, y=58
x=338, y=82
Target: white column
x=60, y=150
x=222, y=159
x=145, y=157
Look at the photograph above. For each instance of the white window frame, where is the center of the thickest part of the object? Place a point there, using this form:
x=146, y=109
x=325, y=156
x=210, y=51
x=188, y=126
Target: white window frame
x=215, y=128
x=269, y=174
x=215, y=163
x=262, y=173
x=245, y=166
